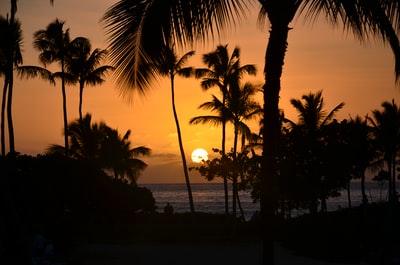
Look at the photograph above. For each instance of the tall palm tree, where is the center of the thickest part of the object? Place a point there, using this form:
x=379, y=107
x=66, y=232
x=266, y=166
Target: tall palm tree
x=223, y=71
x=243, y=107
x=366, y=19
x=84, y=65
x=170, y=65
x=240, y=106
x=386, y=130
x=3, y=62
x=14, y=28
x=53, y=43
x=10, y=47
x=137, y=30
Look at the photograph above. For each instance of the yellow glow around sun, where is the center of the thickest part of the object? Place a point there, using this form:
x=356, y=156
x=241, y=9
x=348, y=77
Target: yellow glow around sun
x=199, y=155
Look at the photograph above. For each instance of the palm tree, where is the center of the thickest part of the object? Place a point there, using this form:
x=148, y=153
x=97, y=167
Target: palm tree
x=138, y=29
x=53, y=44
x=170, y=65
x=311, y=113
x=239, y=107
x=361, y=149
x=105, y=148
x=312, y=118
x=84, y=65
x=10, y=47
x=223, y=71
x=386, y=130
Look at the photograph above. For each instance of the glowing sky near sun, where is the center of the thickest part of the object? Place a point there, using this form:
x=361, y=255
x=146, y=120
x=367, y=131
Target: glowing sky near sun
x=318, y=58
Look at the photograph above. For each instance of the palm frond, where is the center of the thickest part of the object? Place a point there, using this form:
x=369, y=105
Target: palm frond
x=36, y=71
x=137, y=31
x=212, y=120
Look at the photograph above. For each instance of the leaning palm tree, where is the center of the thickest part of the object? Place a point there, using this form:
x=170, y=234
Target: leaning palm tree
x=138, y=29
x=223, y=71
x=84, y=65
x=170, y=65
x=53, y=43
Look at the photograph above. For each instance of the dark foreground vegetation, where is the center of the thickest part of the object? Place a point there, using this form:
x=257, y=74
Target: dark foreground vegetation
x=73, y=203
x=365, y=233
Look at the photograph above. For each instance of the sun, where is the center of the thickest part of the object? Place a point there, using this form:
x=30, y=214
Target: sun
x=199, y=155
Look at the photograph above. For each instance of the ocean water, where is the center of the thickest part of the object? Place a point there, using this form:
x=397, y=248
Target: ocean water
x=209, y=197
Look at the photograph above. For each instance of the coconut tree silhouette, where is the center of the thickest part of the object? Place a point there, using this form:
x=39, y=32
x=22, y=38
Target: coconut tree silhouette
x=170, y=65
x=386, y=130
x=105, y=148
x=239, y=107
x=223, y=71
x=84, y=65
x=53, y=43
x=11, y=56
x=361, y=149
x=312, y=117
x=138, y=29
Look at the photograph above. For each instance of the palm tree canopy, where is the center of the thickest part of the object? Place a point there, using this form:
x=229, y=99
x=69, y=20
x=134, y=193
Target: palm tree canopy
x=240, y=106
x=105, y=147
x=10, y=43
x=386, y=127
x=311, y=111
x=84, y=64
x=169, y=64
x=139, y=29
x=223, y=69
x=52, y=42
x=366, y=20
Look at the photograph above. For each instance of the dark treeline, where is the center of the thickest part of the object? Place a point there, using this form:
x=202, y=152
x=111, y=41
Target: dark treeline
x=59, y=197
x=320, y=156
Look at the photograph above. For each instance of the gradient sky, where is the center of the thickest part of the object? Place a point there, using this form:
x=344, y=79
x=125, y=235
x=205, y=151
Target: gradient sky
x=319, y=57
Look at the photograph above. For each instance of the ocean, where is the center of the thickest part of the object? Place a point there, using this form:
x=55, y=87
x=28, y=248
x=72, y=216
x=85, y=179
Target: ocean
x=209, y=197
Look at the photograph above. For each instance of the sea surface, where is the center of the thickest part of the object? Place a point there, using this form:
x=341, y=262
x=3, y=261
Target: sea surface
x=209, y=197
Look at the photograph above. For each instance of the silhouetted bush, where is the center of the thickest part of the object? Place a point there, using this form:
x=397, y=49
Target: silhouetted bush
x=57, y=194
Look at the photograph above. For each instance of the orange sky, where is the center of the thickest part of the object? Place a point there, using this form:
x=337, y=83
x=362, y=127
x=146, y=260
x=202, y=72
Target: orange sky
x=318, y=58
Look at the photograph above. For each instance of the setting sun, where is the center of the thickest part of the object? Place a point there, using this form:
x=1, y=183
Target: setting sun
x=199, y=155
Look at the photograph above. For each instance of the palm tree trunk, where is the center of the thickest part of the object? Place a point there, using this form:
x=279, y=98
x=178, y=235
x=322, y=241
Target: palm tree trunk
x=274, y=60
x=223, y=160
x=80, y=100
x=394, y=192
x=348, y=193
x=390, y=188
x=3, y=110
x=9, y=113
x=235, y=172
x=65, y=119
x=364, y=196
x=240, y=206
x=224, y=155
x=178, y=130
